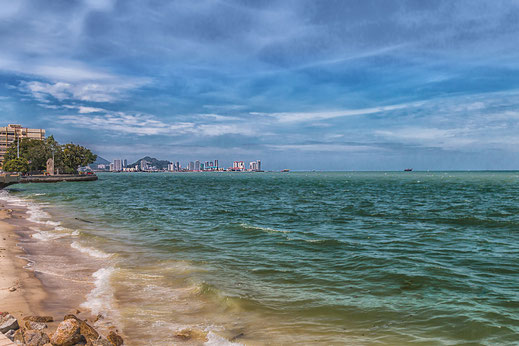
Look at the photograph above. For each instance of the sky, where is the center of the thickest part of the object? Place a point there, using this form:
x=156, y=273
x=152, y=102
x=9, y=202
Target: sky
x=298, y=84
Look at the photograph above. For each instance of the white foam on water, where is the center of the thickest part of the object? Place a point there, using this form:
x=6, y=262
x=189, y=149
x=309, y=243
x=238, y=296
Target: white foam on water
x=265, y=229
x=59, y=232
x=45, y=236
x=89, y=251
x=100, y=299
x=35, y=213
x=214, y=339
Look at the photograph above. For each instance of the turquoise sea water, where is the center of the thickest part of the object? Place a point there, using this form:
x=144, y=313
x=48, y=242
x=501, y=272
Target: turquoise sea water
x=358, y=258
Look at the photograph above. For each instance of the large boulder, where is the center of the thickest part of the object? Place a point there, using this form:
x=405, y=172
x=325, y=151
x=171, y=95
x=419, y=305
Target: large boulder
x=68, y=333
x=35, y=338
x=88, y=332
x=35, y=325
x=115, y=339
x=41, y=319
x=7, y=323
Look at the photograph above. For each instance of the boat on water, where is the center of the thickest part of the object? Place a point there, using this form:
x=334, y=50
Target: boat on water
x=285, y=170
x=408, y=170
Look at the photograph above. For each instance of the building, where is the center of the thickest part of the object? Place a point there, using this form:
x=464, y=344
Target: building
x=111, y=167
x=191, y=166
x=144, y=165
x=125, y=163
x=10, y=133
x=197, y=165
x=215, y=164
x=171, y=167
x=117, y=165
x=238, y=165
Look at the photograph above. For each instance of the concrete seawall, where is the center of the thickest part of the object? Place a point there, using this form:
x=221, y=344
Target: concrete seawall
x=7, y=179
x=57, y=178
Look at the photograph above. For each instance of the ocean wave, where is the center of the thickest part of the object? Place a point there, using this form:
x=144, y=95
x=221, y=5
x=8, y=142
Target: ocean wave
x=264, y=229
x=215, y=339
x=59, y=232
x=89, y=251
x=45, y=235
x=100, y=299
x=35, y=213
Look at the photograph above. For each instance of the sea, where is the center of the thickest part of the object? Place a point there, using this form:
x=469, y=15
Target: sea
x=356, y=258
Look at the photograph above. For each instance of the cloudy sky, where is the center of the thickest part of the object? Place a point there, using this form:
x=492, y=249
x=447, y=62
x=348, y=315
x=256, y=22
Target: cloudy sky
x=334, y=85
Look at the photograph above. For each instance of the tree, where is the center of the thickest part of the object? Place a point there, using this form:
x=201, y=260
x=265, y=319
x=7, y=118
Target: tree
x=16, y=165
x=75, y=156
x=33, y=151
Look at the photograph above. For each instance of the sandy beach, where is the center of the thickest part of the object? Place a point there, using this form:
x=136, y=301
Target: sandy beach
x=28, y=294
x=21, y=293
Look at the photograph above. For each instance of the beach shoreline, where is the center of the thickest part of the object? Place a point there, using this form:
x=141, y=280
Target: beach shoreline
x=26, y=292
x=21, y=292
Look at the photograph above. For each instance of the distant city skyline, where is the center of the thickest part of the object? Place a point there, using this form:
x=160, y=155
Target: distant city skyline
x=146, y=164
x=343, y=85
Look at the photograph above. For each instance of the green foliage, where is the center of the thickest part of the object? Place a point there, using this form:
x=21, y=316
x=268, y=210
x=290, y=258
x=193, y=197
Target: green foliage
x=16, y=165
x=75, y=156
x=35, y=153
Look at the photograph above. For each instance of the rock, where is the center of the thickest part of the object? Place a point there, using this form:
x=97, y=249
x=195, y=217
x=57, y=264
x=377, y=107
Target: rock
x=115, y=339
x=67, y=333
x=237, y=336
x=35, y=338
x=7, y=323
x=101, y=342
x=12, y=289
x=18, y=336
x=88, y=332
x=98, y=317
x=39, y=318
x=30, y=325
x=192, y=334
x=70, y=316
x=10, y=335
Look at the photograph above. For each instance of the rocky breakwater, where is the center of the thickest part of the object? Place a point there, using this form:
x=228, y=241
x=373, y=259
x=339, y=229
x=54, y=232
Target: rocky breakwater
x=34, y=331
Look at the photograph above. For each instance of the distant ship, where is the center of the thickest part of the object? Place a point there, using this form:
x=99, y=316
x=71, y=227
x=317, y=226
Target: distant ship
x=408, y=170
x=285, y=170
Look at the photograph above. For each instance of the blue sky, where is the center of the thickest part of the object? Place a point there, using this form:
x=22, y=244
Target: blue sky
x=333, y=85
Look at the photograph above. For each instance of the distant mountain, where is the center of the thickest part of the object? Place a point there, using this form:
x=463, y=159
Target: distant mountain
x=160, y=164
x=101, y=161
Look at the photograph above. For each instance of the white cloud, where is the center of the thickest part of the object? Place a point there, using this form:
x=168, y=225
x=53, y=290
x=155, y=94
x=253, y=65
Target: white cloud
x=144, y=124
x=325, y=147
x=81, y=91
x=294, y=117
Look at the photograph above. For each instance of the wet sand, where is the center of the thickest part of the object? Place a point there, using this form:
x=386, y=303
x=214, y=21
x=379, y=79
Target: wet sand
x=26, y=289
x=21, y=293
